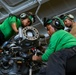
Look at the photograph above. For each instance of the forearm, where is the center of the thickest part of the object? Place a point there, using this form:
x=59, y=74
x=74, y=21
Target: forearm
x=14, y=27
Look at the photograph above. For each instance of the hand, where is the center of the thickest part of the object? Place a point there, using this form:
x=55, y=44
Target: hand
x=1, y=50
x=14, y=27
x=35, y=58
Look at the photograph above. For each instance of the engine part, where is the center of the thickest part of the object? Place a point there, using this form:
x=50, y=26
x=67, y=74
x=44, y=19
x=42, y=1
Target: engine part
x=30, y=33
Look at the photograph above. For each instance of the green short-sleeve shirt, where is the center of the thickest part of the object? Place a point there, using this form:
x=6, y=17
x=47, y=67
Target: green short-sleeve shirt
x=58, y=41
x=6, y=27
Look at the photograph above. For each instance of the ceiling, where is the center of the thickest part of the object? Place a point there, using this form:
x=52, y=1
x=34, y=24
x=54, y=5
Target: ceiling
x=42, y=8
x=16, y=6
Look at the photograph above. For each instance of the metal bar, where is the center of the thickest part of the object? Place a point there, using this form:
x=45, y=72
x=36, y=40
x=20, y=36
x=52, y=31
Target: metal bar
x=36, y=13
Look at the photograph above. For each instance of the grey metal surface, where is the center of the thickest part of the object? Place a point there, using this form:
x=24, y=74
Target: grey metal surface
x=16, y=6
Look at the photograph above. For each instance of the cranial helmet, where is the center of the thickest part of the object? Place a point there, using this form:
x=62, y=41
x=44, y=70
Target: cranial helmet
x=56, y=22
x=66, y=16
x=28, y=15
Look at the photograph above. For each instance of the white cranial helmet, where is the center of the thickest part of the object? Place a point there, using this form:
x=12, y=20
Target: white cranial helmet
x=70, y=16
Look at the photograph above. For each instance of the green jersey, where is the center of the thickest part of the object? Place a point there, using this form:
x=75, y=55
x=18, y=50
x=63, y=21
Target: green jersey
x=6, y=27
x=58, y=41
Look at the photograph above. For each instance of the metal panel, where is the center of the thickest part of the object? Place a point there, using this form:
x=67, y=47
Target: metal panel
x=13, y=2
x=16, y=7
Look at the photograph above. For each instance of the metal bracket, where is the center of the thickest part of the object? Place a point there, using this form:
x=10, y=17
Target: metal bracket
x=36, y=13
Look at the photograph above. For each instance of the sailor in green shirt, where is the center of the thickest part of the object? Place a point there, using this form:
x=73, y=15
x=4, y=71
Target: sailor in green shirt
x=10, y=25
x=59, y=40
x=69, y=22
x=62, y=46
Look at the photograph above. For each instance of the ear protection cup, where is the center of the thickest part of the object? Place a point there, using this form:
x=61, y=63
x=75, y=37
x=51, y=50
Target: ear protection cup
x=62, y=16
x=57, y=23
x=31, y=17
